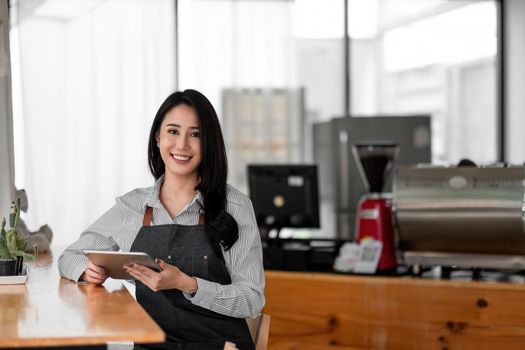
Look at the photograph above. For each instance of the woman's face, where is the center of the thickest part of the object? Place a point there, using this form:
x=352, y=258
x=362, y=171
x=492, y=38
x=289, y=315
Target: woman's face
x=180, y=143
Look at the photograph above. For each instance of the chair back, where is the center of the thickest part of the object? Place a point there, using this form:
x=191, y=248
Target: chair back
x=230, y=346
x=259, y=330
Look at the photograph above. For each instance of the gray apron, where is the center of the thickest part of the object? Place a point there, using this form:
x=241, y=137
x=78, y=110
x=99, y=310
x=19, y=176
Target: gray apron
x=187, y=326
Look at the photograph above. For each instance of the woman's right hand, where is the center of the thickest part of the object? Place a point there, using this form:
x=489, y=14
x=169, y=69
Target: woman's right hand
x=94, y=274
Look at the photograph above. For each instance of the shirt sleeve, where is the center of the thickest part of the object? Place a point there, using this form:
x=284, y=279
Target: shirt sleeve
x=244, y=297
x=99, y=236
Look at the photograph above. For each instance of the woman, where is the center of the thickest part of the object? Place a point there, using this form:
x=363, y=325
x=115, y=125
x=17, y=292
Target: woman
x=202, y=231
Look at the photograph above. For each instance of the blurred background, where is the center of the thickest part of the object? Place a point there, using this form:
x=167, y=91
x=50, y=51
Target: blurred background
x=89, y=75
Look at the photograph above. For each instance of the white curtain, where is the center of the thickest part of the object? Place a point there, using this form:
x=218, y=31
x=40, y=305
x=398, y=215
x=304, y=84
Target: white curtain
x=89, y=77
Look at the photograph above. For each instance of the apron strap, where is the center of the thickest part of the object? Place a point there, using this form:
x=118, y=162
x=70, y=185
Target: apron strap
x=149, y=214
x=201, y=213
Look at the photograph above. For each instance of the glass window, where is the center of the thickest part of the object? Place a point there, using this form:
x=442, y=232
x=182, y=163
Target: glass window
x=88, y=77
x=271, y=68
x=436, y=57
x=89, y=74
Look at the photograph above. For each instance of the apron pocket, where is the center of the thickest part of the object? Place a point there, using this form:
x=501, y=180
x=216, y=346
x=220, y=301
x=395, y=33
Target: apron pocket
x=199, y=266
x=183, y=263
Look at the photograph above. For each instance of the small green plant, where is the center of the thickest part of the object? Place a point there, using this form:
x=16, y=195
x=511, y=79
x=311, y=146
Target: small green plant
x=13, y=245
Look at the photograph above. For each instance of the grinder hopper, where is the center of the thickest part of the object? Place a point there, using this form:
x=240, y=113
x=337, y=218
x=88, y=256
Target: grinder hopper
x=374, y=161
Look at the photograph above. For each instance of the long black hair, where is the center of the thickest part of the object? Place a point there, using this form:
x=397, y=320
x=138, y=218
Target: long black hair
x=221, y=227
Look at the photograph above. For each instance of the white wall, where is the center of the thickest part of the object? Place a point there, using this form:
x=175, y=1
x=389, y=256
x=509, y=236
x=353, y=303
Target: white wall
x=515, y=79
x=6, y=121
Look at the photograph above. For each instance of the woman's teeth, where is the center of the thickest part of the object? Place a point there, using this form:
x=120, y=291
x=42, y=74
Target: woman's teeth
x=180, y=157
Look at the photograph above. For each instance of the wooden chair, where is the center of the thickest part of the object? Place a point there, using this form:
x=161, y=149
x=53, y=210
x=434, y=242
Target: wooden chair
x=230, y=346
x=259, y=330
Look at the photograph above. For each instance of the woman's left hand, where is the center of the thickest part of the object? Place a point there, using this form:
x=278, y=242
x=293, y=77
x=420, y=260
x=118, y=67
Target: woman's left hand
x=171, y=277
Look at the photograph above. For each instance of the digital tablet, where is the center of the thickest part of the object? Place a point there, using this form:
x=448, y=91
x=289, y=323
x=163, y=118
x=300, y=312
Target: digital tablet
x=113, y=262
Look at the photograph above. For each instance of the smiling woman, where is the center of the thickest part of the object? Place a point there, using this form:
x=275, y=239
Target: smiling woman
x=202, y=232
x=180, y=149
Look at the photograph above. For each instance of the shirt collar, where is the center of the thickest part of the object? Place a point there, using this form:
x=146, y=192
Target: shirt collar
x=153, y=198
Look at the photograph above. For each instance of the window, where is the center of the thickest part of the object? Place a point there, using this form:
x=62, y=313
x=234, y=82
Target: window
x=435, y=57
x=269, y=69
x=88, y=78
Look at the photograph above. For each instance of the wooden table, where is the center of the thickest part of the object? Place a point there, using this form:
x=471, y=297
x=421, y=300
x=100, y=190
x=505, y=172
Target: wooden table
x=316, y=311
x=52, y=311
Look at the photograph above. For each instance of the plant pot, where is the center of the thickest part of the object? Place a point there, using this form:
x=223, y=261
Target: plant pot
x=8, y=267
x=19, y=264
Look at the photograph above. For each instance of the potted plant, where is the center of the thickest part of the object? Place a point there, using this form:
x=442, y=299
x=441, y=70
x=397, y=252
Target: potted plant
x=12, y=245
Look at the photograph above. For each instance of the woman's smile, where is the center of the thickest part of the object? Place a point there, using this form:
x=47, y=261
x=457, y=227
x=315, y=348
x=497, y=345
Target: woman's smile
x=180, y=157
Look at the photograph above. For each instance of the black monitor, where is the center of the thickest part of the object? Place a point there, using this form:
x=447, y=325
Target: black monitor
x=284, y=195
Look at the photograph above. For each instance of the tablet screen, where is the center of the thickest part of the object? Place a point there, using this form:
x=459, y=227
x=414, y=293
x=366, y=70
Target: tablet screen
x=113, y=262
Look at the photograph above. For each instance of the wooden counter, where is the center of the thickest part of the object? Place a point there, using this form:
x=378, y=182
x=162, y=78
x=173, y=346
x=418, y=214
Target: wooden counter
x=52, y=311
x=336, y=312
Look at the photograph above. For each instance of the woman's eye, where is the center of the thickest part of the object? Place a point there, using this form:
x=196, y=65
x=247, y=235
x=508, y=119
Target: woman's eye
x=173, y=131
x=196, y=134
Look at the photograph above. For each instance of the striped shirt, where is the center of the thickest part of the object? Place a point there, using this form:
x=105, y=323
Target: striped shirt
x=118, y=227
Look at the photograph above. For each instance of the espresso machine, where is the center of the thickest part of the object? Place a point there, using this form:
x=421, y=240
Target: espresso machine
x=461, y=217
x=374, y=210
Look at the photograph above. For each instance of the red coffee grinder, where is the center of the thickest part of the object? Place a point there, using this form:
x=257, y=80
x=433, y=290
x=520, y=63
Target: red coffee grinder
x=374, y=211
